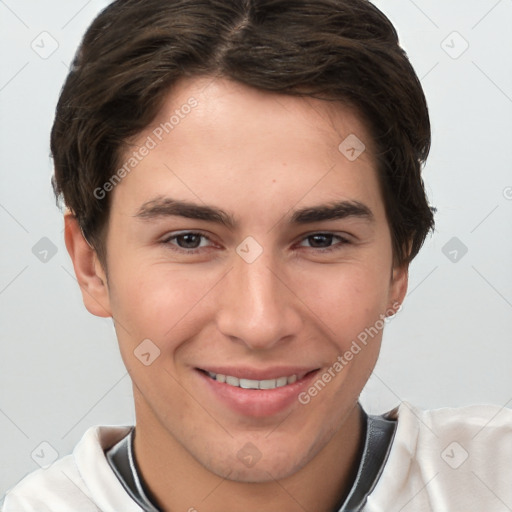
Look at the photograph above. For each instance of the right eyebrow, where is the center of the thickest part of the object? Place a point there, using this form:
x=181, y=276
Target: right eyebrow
x=166, y=207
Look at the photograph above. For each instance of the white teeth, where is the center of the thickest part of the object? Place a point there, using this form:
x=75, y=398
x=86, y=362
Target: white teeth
x=268, y=384
x=255, y=384
x=232, y=381
x=281, y=381
x=249, y=384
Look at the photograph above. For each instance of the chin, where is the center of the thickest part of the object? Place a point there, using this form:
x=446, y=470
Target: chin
x=261, y=473
x=259, y=470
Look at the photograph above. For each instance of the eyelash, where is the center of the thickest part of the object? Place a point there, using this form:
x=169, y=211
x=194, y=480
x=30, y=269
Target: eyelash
x=167, y=241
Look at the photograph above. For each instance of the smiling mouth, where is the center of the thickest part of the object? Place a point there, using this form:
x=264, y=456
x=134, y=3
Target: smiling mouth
x=256, y=384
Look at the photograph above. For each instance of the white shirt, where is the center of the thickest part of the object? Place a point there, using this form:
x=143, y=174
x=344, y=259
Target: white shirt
x=444, y=460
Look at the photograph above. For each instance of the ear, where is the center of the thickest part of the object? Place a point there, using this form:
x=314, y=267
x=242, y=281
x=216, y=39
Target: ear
x=88, y=270
x=398, y=286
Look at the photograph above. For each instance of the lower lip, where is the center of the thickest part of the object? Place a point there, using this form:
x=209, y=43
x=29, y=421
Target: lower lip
x=257, y=402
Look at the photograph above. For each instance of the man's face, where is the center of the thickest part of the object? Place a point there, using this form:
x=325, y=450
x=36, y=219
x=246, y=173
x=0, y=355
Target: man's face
x=278, y=260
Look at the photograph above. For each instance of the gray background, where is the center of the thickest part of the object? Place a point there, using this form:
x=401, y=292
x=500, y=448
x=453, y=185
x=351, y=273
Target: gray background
x=60, y=371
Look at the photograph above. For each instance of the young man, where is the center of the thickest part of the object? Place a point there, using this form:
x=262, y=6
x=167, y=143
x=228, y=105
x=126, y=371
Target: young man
x=244, y=198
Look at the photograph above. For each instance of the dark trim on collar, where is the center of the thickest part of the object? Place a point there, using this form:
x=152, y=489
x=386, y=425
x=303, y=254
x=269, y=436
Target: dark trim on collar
x=380, y=433
x=121, y=459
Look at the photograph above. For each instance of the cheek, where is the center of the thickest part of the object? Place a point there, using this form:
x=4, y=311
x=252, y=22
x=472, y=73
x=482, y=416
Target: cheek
x=155, y=301
x=347, y=298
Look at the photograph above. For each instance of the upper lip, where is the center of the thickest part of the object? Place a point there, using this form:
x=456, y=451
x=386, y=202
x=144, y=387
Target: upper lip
x=259, y=374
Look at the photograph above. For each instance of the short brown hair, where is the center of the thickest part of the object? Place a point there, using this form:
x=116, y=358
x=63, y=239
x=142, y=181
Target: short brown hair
x=337, y=50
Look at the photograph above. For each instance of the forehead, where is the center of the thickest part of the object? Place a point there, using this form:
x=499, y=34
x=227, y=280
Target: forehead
x=215, y=140
x=226, y=109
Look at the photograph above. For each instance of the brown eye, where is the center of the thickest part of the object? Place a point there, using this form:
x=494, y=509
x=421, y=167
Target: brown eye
x=189, y=241
x=320, y=240
x=324, y=241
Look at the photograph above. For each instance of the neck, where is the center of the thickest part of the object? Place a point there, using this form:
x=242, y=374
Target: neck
x=186, y=485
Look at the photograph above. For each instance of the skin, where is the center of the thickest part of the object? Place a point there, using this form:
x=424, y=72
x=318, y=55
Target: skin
x=260, y=157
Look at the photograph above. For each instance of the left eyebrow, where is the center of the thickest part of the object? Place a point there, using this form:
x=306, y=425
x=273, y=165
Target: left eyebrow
x=333, y=211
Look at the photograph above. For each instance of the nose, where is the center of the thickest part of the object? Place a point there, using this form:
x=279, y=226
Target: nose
x=257, y=305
